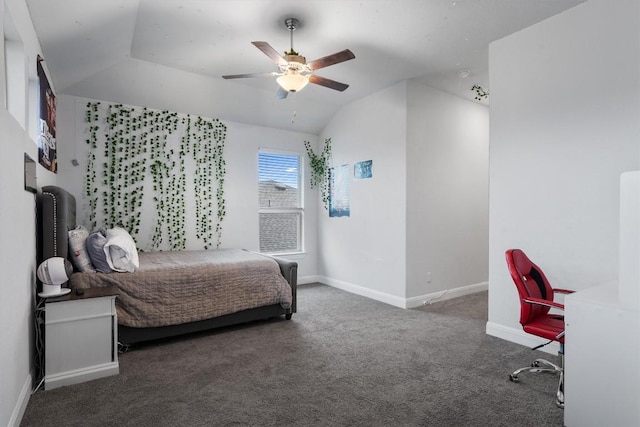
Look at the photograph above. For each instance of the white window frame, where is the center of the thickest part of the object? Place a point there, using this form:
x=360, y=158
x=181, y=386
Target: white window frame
x=299, y=210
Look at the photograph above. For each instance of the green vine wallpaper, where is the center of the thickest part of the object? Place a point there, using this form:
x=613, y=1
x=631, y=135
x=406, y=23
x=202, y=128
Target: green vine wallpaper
x=320, y=164
x=148, y=159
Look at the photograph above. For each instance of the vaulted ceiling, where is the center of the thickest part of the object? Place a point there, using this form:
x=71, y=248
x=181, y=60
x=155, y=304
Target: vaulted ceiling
x=93, y=43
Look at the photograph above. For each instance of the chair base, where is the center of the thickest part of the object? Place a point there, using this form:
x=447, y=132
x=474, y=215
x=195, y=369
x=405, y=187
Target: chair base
x=542, y=365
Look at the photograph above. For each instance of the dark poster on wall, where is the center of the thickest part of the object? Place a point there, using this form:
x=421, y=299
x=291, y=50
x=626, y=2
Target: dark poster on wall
x=47, y=152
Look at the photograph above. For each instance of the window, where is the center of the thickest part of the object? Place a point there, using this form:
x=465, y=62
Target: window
x=280, y=202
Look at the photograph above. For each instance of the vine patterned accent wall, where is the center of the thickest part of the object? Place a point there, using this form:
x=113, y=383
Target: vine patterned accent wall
x=138, y=158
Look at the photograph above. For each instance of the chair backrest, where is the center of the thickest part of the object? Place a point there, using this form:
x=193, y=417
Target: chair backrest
x=530, y=282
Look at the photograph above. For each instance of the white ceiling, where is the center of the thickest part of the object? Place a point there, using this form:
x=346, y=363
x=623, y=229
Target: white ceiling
x=393, y=40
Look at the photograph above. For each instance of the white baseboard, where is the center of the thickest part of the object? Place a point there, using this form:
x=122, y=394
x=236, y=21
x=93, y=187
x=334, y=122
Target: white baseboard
x=420, y=300
x=399, y=301
x=365, y=292
x=21, y=404
x=519, y=336
x=305, y=280
x=81, y=375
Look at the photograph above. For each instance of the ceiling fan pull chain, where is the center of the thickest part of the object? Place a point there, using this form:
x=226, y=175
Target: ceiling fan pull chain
x=295, y=113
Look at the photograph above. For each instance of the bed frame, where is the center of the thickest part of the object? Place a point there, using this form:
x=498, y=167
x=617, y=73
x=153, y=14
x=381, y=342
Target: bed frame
x=57, y=215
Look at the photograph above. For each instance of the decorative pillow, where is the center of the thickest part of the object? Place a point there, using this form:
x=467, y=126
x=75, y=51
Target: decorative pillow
x=78, y=251
x=121, y=251
x=95, y=246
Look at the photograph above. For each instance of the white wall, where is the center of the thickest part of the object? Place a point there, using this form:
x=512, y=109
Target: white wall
x=17, y=216
x=447, y=192
x=629, y=262
x=365, y=253
x=17, y=260
x=240, y=226
x=426, y=208
x=565, y=98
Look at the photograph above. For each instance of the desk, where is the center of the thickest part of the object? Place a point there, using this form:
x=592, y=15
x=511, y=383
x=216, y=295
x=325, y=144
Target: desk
x=602, y=360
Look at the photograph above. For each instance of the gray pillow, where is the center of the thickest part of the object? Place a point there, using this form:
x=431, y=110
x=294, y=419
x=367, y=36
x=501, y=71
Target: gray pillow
x=95, y=246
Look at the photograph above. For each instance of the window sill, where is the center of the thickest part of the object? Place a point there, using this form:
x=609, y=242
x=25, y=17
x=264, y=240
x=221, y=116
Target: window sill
x=288, y=255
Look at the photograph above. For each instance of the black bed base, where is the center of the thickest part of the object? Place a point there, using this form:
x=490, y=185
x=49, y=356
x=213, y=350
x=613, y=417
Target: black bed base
x=128, y=336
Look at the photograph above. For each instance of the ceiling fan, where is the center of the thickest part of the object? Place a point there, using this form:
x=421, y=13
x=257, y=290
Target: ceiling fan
x=295, y=71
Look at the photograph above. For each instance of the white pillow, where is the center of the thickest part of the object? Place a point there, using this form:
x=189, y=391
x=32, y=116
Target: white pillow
x=78, y=250
x=121, y=251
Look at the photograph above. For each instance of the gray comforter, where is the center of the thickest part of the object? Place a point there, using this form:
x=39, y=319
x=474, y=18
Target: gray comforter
x=172, y=288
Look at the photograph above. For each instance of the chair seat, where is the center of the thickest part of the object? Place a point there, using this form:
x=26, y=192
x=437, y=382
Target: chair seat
x=548, y=326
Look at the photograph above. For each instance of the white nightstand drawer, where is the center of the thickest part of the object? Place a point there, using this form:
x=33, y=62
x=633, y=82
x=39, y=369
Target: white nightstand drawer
x=66, y=311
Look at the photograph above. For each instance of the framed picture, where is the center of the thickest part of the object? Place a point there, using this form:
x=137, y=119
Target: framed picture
x=47, y=148
x=363, y=170
x=30, y=174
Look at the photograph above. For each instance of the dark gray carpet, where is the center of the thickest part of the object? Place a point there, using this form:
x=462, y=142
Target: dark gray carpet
x=343, y=360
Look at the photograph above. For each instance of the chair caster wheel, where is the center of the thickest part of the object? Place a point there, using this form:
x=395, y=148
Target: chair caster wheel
x=513, y=378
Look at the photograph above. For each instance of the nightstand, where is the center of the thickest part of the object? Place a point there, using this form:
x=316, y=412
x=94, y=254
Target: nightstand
x=81, y=334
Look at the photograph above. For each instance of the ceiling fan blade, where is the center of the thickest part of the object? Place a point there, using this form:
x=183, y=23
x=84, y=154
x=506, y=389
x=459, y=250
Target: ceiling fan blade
x=270, y=52
x=336, y=58
x=331, y=84
x=244, y=76
x=281, y=93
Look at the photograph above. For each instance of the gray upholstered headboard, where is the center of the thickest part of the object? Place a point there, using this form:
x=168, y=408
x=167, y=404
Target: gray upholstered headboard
x=57, y=215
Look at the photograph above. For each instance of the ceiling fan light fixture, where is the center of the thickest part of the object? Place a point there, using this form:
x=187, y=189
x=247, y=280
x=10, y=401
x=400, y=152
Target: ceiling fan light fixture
x=294, y=71
x=292, y=82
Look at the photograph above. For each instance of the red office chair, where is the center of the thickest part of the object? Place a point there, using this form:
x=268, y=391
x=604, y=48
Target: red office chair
x=536, y=299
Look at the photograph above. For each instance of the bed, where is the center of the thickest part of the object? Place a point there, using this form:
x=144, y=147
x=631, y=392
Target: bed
x=175, y=292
